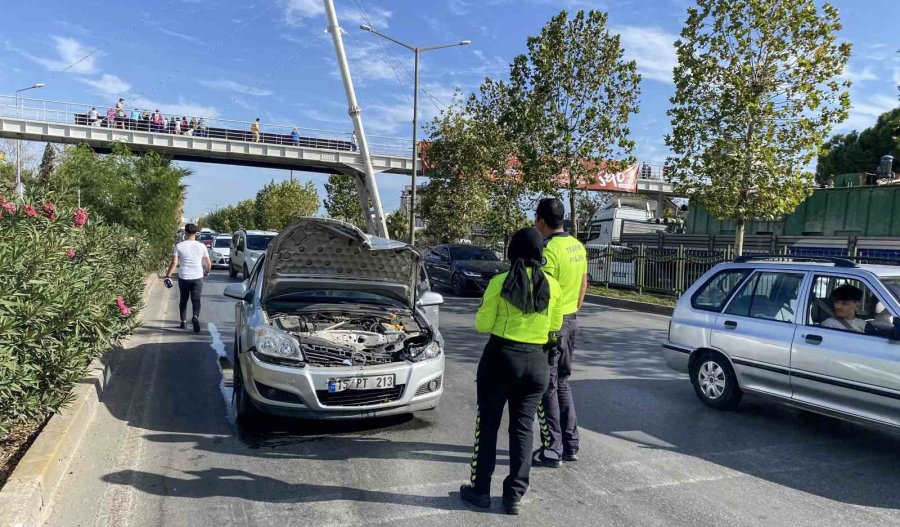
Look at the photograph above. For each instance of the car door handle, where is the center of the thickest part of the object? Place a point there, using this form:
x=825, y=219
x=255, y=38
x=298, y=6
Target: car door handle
x=813, y=339
x=730, y=324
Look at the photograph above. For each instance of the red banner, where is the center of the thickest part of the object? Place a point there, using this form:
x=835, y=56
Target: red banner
x=623, y=181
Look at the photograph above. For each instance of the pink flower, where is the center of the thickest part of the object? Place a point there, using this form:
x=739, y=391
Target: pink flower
x=124, y=309
x=79, y=217
x=30, y=211
x=71, y=254
x=49, y=210
x=10, y=208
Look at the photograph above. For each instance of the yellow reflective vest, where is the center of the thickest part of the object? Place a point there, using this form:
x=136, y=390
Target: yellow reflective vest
x=499, y=317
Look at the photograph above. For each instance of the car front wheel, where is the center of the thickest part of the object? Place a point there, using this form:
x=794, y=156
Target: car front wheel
x=715, y=382
x=457, y=283
x=232, y=272
x=245, y=413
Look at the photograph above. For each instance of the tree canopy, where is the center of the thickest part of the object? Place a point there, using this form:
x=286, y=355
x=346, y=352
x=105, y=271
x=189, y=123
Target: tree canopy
x=858, y=152
x=342, y=200
x=756, y=93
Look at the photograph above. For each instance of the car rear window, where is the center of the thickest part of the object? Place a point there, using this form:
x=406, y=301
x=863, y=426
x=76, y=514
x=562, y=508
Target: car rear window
x=714, y=294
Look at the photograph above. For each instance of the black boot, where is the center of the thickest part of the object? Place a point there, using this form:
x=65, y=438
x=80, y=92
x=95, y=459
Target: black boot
x=468, y=495
x=183, y=324
x=511, y=506
x=196, y=322
x=540, y=459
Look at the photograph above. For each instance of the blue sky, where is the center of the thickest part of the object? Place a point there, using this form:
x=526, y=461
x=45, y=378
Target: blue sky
x=271, y=59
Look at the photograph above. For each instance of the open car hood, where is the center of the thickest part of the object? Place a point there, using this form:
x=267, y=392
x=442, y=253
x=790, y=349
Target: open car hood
x=327, y=254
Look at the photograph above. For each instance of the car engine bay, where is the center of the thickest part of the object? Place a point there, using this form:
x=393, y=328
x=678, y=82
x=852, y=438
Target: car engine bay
x=335, y=339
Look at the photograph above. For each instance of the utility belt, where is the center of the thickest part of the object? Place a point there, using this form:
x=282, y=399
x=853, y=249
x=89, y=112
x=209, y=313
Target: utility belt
x=522, y=347
x=570, y=316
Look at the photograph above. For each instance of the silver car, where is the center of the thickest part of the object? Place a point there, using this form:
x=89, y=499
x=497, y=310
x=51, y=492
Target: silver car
x=333, y=323
x=822, y=334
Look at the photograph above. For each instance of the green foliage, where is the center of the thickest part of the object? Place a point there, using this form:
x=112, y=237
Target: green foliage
x=242, y=215
x=756, y=94
x=342, y=201
x=858, y=152
x=574, y=93
x=398, y=225
x=589, y=203
x=142, y=193
x=277, y=204
x=48, y=165
x=58, y=312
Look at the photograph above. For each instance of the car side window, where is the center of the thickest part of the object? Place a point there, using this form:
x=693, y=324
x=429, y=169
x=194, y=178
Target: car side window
x=847, y=304
x=713, y=295
x=769, y=296
x=444, y=253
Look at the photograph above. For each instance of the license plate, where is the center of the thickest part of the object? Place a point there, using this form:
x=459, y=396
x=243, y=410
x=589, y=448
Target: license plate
x=375, y=382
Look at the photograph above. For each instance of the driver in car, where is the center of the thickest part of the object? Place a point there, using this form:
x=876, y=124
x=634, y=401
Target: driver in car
x=847, y=301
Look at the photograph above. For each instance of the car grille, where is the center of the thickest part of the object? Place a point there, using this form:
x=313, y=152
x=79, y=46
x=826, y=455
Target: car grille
x=317, y=355
x=360, y=397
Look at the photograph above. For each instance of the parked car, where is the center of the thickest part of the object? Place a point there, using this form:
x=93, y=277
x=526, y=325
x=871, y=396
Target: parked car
x=772, y=328
x=335, y=324
x=246, y=248
x=220, y=252
x=463, y=268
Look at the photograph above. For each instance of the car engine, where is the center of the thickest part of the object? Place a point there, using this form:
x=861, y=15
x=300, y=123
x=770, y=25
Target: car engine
x=343, y=339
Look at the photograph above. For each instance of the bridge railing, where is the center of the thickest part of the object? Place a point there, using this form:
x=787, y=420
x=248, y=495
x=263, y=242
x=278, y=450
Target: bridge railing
x=63, y=112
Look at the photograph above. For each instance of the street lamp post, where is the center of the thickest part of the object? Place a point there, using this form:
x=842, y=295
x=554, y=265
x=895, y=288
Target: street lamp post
x=20, y=190
x=416, y=50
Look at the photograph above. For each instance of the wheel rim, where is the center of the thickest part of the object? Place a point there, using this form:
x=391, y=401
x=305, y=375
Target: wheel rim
x=457, y=285
x=711, y=377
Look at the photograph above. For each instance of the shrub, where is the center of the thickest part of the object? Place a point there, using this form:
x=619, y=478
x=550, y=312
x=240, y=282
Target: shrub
x=59, y=303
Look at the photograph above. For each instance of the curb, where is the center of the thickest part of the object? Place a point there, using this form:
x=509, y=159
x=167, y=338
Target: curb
x=25, y=497
x=643, y=307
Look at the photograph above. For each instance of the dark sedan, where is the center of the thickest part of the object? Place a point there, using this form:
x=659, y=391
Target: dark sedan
x=463, y=268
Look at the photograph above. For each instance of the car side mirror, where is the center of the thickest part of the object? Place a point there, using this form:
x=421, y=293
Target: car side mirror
x=236, y=291
x=430, y=298
x=896, y=332
x=430, y=303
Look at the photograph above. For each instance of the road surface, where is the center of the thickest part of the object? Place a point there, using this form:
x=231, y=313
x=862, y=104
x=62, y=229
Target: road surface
x=164, y=449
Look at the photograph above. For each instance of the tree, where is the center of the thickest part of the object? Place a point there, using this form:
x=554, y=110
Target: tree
x=861, y=152
x=398, y=224
x=277, y=204
x=48, y=165
x=756, y=94
x=450, y=207
x=575, y=94
x=342, y=200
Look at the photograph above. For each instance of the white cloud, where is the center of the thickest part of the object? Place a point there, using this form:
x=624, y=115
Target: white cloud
x=181, y=36
x=69, y=52
x=857, y=76
x=653, y=49
x=108, y=85
x=297, y=11
x=368, y=60
x=864, y=111
x=229, y=85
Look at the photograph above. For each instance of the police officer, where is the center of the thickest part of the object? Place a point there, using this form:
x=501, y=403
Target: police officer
x=566, y=261
x=520, y=310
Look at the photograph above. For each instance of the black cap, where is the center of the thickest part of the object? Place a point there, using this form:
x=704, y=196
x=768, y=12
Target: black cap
x=191, y=228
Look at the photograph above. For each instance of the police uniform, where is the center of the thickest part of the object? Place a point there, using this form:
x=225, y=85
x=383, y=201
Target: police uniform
x=513, y=369
x=566, y=261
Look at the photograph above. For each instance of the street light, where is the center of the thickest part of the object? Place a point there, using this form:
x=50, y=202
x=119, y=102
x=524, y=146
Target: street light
x=416, y=50
x=20, y=190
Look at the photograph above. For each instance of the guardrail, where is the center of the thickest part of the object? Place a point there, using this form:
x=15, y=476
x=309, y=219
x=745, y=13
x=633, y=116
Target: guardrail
x=671, y=270
x=144, y=119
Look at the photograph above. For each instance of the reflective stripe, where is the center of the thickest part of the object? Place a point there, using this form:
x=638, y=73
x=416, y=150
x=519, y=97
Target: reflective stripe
x=474, y=463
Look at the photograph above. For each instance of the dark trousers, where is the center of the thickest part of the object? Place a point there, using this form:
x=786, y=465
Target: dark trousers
x=556, y=413
x=192, y=289
x=514, y=373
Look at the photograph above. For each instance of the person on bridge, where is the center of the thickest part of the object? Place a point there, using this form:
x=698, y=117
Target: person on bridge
x=295, y=136
x=565, y=260
x=521, y=311
x=94, y=117
x=254, y=129
x=192, y=259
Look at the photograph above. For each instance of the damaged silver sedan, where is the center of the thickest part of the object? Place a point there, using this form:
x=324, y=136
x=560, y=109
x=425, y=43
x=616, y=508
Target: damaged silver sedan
x=333, y=323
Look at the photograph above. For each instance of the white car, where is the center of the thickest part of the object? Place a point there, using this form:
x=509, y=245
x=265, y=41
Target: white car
x=335, y=324
x=220, y=252
x=246, y=248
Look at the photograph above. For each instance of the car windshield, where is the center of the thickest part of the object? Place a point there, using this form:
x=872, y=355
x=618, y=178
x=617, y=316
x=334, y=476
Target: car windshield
x=222, y=242
x=893, y=285
x=472, y=253
x=259, y=242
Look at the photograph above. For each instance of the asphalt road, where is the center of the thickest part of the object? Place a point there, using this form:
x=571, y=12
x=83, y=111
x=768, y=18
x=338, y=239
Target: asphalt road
x=164, y=449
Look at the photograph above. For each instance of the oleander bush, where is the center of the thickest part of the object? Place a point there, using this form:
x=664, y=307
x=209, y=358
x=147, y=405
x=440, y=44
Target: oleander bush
x=70, y=287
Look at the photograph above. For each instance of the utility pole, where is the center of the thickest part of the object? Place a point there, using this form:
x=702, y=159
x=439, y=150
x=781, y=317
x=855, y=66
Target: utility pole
x=368, y=196
x=20, y=189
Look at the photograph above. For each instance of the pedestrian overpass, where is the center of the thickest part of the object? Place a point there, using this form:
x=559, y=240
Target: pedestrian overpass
x=222, y=141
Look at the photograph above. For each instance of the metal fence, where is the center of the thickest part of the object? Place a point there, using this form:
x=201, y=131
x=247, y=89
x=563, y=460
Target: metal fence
x=144, y=119
x=670, y=271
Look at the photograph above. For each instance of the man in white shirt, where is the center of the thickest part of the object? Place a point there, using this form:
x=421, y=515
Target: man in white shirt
x=192, y=259
x=847, y=301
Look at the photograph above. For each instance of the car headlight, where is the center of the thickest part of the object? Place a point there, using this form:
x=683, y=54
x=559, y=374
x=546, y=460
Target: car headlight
x=428, y=351
x=216, y=254
x=276, y=343
x=472, y=274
